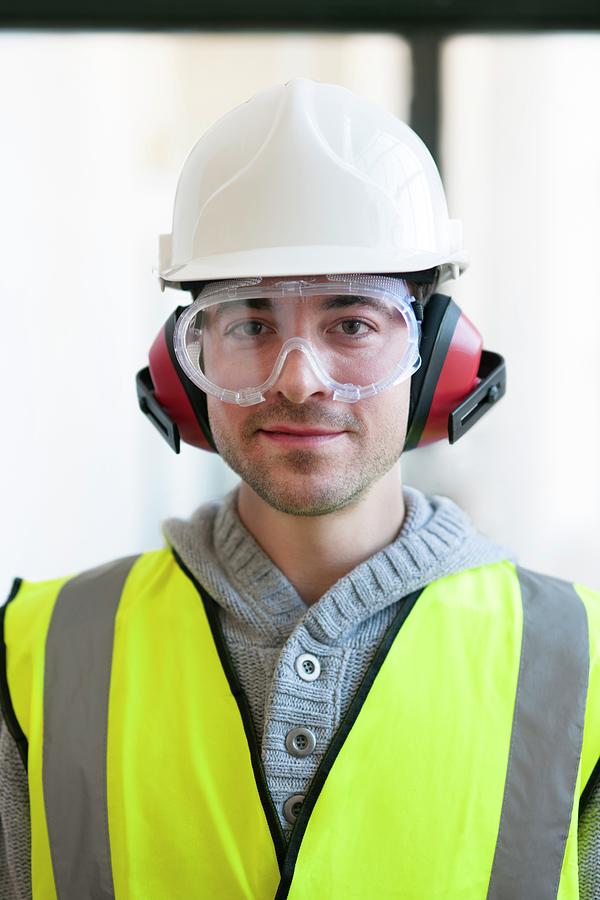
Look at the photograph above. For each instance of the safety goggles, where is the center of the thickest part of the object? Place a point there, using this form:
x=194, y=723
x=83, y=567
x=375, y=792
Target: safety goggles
x=358, y=333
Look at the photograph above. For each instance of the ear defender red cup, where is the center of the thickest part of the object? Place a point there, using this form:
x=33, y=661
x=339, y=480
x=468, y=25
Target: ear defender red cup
x=173, y=403
x=457, y=383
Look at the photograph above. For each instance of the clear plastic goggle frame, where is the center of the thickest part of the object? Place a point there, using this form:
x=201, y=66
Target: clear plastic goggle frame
x=352, y=365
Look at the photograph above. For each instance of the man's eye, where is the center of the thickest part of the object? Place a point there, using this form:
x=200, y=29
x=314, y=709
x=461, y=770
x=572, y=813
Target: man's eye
x=247, y=329
x=353, y=327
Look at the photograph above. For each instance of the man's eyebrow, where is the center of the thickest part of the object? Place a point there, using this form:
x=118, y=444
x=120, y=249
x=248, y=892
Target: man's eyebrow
x=341, y=301
x=220, y=309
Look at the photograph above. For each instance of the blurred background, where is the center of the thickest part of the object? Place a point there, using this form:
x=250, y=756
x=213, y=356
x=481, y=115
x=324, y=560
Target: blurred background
x=96, y=126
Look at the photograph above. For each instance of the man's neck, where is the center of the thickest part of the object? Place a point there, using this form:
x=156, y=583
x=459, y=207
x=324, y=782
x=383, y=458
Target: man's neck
x=314, y=552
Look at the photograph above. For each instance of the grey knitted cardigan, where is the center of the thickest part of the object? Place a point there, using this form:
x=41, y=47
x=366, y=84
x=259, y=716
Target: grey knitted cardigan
x=267, y=626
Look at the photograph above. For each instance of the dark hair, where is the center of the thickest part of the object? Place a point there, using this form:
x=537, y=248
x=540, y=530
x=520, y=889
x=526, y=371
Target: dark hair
x=424, y=283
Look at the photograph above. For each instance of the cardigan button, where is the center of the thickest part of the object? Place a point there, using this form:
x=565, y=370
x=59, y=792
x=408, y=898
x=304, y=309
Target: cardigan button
x=292, y=807
x=300, y=742
x=308, y=667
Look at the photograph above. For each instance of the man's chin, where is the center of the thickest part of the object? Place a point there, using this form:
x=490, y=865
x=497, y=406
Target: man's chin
x=303, y=500
x=299, y=482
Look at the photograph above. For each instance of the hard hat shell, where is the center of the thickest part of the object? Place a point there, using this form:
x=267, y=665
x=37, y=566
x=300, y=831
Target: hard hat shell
x=308, y=177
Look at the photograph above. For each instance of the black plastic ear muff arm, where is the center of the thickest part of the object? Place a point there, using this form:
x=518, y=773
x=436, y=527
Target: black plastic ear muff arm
x=151, y=408
x=418, y=311
x=441, y=317
x=492, y=371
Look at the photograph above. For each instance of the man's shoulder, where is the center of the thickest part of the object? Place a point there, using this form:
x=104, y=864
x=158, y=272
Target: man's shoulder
x=508, y=574
x=589, y=596
x=542, y=584
x=40, y=590
x=591, y=601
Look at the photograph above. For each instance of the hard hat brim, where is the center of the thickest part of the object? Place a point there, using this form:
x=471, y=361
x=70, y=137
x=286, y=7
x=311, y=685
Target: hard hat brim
x=315, y=260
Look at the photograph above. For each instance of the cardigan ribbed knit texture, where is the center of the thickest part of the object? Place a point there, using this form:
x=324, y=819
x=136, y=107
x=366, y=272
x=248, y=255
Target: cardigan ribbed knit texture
x=266, y=626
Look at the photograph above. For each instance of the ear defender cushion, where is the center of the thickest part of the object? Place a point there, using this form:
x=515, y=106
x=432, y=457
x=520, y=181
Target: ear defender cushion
x=183, y=402
x=451, y=350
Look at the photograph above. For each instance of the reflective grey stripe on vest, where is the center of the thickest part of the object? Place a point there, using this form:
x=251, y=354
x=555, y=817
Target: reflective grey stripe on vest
x=77, y=678
x=546, y=741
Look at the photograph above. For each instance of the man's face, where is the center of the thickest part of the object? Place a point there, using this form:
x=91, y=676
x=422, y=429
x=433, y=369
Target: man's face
x=304, y=453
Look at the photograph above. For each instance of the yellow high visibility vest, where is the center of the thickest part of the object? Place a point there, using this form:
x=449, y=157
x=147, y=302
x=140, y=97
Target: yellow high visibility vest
x=455, y=774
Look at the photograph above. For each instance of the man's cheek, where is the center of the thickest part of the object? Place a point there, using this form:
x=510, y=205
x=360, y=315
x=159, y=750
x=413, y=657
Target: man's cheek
x=215, y=414
x=214, y=419
x=225, y=420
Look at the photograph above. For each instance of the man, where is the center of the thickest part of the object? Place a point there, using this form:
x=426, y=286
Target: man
x=329, y=684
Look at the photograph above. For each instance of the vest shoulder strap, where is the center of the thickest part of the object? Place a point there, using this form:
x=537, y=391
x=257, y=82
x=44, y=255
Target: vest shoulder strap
x=6, y=705
x=27, y=617
x=590, y=758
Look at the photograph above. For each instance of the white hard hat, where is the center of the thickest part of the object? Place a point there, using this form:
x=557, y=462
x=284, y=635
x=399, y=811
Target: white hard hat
x=308, y=177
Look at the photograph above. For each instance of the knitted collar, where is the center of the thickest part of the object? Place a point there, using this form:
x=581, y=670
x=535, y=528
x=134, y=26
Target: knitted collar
x=436, y=539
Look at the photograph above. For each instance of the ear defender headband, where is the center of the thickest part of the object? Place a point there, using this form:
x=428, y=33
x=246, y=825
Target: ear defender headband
x=457, y=383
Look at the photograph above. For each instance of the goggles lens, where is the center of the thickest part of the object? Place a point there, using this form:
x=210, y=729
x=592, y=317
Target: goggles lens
x=357, y=333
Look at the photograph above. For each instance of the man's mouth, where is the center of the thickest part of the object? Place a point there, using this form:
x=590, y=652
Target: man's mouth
x=304, y=430
x=306, y=435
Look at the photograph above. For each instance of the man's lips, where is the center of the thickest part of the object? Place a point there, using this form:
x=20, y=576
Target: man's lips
x=307, y=431
x=303, y=437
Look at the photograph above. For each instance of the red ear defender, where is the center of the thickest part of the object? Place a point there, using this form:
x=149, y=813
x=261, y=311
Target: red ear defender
x=171, y=401
x=457, y=382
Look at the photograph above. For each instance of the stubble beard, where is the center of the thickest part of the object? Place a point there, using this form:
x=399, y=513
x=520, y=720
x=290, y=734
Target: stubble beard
x=309, y=482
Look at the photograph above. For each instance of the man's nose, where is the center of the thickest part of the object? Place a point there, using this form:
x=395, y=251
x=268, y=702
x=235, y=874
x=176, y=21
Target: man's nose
x=297, y=380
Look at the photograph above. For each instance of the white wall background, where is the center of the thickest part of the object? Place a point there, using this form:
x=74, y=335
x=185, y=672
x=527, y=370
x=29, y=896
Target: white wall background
x=95, y=130
x=521, y=157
